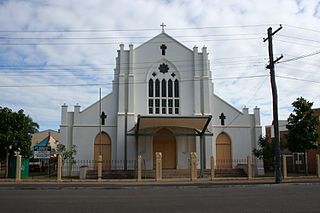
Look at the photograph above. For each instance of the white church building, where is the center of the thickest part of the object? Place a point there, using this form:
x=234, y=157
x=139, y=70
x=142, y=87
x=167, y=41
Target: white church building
x=162, y=100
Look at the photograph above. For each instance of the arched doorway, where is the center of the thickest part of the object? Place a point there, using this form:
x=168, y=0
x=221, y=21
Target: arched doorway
x=105, y=147
x=223, y=151
x=167, y=146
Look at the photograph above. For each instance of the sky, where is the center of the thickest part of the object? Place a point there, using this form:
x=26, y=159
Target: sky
x=60, y=51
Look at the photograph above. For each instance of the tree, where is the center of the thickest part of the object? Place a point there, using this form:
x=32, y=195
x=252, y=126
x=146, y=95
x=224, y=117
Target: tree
x=265, y=152
x=302, y=123
x=67, y=155
x=16, y=131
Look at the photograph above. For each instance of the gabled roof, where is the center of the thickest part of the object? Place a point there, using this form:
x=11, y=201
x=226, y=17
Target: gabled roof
x=164, y=35
x=47, y=141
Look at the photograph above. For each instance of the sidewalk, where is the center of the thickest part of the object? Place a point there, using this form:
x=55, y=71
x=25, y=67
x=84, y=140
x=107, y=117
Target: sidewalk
x=163, y=182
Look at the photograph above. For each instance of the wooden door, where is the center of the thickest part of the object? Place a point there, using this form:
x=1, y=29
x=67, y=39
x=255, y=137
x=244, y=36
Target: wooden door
x=223, y=151
x=167, y=146
x=105, y=147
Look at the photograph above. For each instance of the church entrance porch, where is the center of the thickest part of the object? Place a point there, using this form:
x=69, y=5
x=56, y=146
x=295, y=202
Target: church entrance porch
x=174, y=136
x=167, y=146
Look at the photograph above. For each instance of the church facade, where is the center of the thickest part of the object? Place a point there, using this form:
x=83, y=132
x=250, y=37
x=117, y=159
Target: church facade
x=162, y=100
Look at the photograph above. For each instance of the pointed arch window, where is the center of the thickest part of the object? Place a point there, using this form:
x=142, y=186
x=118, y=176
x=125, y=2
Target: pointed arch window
x=164, y=95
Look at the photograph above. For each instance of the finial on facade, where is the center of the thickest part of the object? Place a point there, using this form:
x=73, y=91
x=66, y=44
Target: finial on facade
x=163, y=25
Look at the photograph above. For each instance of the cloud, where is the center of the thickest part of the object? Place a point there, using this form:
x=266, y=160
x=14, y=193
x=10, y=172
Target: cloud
x=234, y=51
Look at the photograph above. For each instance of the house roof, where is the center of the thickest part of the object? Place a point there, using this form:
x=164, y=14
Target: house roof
x=47, y=141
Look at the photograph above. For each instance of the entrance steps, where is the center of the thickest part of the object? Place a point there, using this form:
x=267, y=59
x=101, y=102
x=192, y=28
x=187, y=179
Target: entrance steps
x=238, y=172
x=166, y=173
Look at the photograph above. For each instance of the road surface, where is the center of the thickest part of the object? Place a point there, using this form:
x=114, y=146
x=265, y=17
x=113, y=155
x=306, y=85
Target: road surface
x=153, y=199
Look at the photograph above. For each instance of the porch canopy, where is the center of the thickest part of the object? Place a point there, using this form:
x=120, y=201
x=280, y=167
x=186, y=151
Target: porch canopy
x=197, y=123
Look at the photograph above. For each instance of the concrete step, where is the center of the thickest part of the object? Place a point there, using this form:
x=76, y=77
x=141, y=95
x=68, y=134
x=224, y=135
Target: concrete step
x=238, y=172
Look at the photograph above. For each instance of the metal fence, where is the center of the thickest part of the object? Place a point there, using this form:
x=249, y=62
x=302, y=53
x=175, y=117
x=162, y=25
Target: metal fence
x=74, y=168
x=115, y=169
x=231, y=164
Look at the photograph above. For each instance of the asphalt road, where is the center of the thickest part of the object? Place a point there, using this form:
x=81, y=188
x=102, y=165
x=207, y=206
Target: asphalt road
x=252, y=198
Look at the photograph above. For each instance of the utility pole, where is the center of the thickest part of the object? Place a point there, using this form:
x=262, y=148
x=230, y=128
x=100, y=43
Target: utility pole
x=270, y=66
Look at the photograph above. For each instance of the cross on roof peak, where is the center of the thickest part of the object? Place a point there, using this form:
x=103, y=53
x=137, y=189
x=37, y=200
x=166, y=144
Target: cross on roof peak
x=162, y=26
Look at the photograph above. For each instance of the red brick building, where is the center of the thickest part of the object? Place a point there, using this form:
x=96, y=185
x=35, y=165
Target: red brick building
x=312, y=167
x=311, y=154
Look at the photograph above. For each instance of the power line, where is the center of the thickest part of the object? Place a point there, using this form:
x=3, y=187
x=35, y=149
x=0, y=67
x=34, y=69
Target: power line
x=132, y=30
x=302, y=28
x=254, y=95
x=300, y=70
x=298, y=38
x=298, y=79
x=67, y=66
x=116, y=43
x=238, y=77
x=121, y=37
x=182, y=69
x=301, y=57
x=290, y=42
x=110, y=83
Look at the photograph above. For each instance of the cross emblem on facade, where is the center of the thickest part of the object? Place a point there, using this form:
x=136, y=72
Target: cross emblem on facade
x=163, y=47
x=222, y=117
x=163, y=25
x=103, y=117
x=163, y=68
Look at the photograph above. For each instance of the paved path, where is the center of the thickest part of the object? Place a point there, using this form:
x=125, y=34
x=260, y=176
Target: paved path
x=116, y=183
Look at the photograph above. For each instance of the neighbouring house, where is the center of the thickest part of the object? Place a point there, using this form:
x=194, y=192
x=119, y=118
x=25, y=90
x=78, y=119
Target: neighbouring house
x=47, y=140
x=39, y=136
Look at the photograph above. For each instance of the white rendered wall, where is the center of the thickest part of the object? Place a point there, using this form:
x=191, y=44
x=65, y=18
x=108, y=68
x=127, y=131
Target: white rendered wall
x=134, y=66
x=147, y=59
